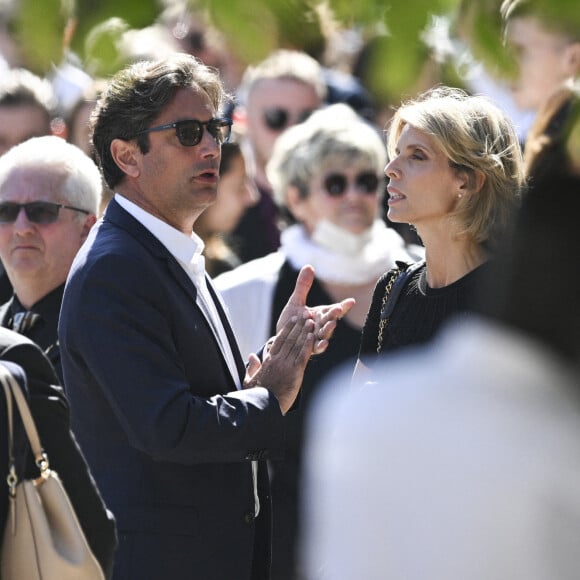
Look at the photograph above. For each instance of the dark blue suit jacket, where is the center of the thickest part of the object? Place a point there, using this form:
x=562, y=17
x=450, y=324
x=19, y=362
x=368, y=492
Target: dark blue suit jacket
x=167, y=436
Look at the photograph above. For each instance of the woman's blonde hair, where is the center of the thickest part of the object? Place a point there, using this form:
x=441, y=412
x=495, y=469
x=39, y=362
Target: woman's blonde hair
x=478, y=139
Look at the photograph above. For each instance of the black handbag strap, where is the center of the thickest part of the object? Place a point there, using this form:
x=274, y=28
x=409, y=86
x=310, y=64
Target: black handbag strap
x=395, y=284
x=405, y=272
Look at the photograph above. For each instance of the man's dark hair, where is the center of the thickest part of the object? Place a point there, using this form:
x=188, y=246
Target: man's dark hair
x=137, y=95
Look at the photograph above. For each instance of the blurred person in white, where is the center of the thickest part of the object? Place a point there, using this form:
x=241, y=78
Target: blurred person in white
x=327, y=174
x=462, y=460
x=545, y=39
x=280, y=91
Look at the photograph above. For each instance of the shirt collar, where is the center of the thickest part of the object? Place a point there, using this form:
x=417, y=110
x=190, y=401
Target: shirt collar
x=186, y=249
x=47, y=305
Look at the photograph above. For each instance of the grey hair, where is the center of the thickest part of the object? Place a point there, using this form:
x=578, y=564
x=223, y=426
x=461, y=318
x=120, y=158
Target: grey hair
x=333, y=134
x=83, y=184
x=284, y=64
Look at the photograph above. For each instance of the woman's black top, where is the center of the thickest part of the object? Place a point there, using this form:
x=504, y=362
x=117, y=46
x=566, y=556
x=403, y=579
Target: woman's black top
x=419, y=311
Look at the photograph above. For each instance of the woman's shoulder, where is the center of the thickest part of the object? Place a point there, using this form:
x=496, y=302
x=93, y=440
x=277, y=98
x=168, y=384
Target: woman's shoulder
x=407, y=269
x=389, y=285
x=477, y=275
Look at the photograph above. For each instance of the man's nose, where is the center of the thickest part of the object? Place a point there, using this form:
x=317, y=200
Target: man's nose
x=22, y=222
x=209, y=144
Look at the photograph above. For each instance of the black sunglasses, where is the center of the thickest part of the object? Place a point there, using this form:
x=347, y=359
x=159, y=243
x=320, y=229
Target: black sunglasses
x=336, y=184
x=190, y=131
x=37, y=212
x=277, y=119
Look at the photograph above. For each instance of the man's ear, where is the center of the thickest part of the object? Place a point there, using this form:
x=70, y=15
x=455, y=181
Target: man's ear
x=124, y=154
x=90, y=221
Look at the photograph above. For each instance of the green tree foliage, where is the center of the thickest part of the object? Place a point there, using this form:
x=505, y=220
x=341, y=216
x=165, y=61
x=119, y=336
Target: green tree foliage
x=39, y=30
x=91, y=13
x=45, y=29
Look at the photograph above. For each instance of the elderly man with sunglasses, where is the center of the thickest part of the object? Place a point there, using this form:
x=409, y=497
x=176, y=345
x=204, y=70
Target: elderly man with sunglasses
x=27, y=108
x=174, y=426
x=49, y=194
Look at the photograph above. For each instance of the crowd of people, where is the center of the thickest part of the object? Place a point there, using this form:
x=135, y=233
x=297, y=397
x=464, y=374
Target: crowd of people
x=266, y=335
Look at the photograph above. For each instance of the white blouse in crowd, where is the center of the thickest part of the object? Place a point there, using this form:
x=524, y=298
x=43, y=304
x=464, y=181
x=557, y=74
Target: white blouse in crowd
x=462, y=462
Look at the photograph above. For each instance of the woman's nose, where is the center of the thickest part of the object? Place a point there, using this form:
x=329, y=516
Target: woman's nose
x=392, y=169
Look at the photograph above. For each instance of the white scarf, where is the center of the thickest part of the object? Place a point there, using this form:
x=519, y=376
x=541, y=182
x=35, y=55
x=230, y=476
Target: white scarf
x=340, y=257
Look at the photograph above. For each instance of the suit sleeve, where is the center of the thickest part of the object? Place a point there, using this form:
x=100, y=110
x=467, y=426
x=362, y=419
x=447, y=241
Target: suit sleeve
x=133, y=334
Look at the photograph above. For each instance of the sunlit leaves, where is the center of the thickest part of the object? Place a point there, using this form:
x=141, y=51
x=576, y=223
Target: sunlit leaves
x=249, y=27
x=39, y=31
x=102, y=55
x=399, y=61
x=91, y=13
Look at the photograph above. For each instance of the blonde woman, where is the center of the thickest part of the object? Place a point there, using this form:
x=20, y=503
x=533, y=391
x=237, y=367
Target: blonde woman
x=455, y=174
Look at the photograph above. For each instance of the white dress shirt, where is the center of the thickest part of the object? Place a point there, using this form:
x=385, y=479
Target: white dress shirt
x=187, y=250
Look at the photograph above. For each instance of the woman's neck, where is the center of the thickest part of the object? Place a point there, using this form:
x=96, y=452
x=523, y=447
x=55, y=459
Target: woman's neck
x=450, y=257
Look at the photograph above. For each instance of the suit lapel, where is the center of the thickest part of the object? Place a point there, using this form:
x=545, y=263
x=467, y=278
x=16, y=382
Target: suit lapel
x=181, y=277
x=117, y=215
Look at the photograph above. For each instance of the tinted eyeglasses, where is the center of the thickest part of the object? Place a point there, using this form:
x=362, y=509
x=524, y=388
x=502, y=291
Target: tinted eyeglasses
x=37, y=212
x=336, y=184
x=277, y=119
x=190, y=131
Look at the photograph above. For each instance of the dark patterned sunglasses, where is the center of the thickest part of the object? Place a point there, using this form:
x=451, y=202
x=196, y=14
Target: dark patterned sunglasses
x=190, y=131
x=336, y=184
x=37, y=212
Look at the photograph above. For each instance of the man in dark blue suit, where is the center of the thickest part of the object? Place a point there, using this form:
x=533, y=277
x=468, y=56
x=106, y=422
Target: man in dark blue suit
x=171, y=422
